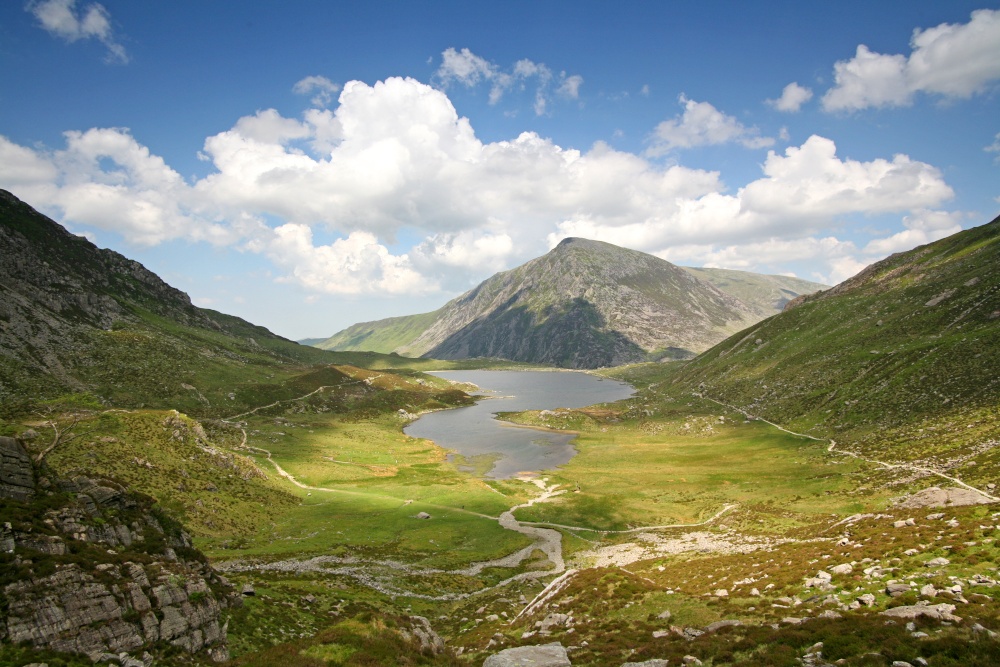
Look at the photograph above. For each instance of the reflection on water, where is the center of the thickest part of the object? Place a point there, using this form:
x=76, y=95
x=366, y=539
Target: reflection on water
x=480, y=440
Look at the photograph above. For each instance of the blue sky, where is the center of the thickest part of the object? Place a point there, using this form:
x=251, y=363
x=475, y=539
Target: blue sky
x=309, y=165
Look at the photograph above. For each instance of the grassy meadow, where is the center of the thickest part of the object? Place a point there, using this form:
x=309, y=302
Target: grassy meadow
x=660, y=458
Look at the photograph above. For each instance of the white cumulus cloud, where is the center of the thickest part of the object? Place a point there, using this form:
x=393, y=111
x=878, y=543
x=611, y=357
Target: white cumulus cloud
x=951, y=60
x=793, y=96
x=921, y=227
x=320, y=85
x=468, y=69
x=61, y=18
x=702, y=125
x=329, y=197
x=994, y=147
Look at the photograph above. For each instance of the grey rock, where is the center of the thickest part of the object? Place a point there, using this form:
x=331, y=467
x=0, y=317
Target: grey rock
x=938, y=612
x=554, y=621
x=896, y=590
x=545, y=655
x=422, y=631
x=718, y=625
x=655, y=662
x=17, y=475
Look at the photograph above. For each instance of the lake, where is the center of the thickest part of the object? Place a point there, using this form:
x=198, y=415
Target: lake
x=474, y=434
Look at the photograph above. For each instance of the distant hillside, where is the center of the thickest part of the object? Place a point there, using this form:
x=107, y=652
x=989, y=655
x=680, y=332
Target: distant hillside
x=76, y=318
x=584, y=304
x=767, y=294
x=910, y=337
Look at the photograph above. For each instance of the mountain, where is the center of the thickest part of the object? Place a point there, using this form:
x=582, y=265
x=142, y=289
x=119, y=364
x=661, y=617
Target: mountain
x=912, y=337
x=767, y=294
x=75, y=318
x=585, y=304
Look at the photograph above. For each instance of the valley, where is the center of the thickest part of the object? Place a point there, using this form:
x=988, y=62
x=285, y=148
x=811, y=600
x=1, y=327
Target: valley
x=818, y=488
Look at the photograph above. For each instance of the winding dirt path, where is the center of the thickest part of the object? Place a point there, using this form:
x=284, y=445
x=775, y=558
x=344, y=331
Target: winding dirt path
x=843, y=452
x=375, y=573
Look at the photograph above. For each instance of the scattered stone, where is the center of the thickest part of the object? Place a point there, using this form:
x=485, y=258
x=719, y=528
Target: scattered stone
x=660, y=634
x=423, y=515
x=248, y=590
x=690, y=659
x=721, y=593
x=655, y=662
x=867, y=599
x=791, y=620
x=928, y=590
x=980, y=630
x=845, y=568
x=896, y=590
x=718, y=625
x=544, y=655
x=937, y=562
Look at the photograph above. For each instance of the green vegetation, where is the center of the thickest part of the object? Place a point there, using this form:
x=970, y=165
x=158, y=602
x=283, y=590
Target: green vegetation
x=289, y=466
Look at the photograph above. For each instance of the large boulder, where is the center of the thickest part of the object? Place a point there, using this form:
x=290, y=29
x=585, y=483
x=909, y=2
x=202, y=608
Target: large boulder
x=545, y=655
x=937, y=612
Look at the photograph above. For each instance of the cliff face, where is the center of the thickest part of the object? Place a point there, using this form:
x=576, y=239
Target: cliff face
x=90, y=568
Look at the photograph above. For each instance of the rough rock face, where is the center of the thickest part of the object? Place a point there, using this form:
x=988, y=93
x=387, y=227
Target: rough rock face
x=17, y=477
x=951, y=496
x=545, y=655
x=421, y=630
x=101, y=573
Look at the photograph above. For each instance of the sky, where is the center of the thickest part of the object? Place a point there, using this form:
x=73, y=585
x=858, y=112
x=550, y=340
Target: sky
x=309, y=165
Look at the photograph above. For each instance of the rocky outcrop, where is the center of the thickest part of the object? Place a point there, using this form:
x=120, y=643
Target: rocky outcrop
x=545, y=655
x=952, y=496
x=97, y=570
x=17, y=477
x=422, y=632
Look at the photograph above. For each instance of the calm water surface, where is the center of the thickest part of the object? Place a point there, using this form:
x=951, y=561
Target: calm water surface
x=473, y=432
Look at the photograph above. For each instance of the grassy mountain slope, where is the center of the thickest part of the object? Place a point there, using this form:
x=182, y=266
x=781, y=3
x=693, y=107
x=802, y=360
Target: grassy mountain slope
x=913, y=337
x=767, y=294
x=76, y=318
x=394, y=334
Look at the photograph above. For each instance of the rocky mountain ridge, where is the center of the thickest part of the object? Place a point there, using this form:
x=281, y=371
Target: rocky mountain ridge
x=585, y=304
x=75, y=318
